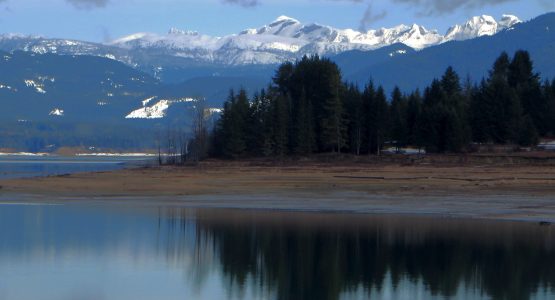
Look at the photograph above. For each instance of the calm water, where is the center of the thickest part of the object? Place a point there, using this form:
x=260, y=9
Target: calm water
x=77, y=252
x=32, y=166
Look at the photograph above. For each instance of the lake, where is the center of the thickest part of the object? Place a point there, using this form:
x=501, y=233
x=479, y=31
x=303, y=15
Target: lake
x=150, y=252
x=15, y=166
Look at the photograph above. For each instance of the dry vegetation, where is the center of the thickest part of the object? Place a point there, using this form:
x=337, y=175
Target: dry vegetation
x=528, y=175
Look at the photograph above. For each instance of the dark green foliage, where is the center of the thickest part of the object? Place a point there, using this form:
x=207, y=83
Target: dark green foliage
x=304, y=126
x=232, y=128
x=332, y=123
x=528, y=135
x=308, y=109
x=528, y=88
x=356, y=121
x=399, y=119
x=377, y=118
x=414, y=119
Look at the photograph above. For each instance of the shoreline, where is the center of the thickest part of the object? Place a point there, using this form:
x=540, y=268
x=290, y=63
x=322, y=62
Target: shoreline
x=497, y=192
x=263, y=203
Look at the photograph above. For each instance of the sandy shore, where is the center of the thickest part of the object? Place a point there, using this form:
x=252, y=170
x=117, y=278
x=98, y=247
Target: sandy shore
x=512, y=192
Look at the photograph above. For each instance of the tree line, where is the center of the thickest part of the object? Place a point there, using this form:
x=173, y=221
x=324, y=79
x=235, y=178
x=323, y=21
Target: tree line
x=309, y=109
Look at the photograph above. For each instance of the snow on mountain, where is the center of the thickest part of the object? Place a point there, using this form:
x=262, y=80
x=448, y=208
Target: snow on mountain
x=508, y=21
x=156, y=111
x=57, y=112
x=480, y=26
x=287, y=38
x=283, y=39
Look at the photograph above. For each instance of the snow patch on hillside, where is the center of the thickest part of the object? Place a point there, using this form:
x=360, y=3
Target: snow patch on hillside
x=57, y=112
x=156, y=111
x=7, y=87
x=39, y=87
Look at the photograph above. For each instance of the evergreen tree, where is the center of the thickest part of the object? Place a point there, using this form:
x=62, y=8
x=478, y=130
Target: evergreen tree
x=355, y=117
x=398, y=116
x=377, y=118
x=496, y=109
x=283, y=80
x=458, y=135
x=549, y=94
x=501, y=67
x=367, y=99
x=280, y=121
x=444, y=115
x=433, y=113
x=255, y=129
x=308, y=109
x=236, y=130
x=527, y=86
x=223, y=133
x=414, y=120
x=332, y=123
x=303, y=126
x=528, y=135
x=506, y=107
x=482, y=115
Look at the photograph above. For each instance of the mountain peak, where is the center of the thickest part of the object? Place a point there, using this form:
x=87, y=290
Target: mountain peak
x=479, y=26
x=508, y=21
x=283, y=18
x=284, y=39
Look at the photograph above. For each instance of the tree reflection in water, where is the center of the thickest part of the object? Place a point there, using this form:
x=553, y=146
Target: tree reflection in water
x=173, y=253
x=318, y=256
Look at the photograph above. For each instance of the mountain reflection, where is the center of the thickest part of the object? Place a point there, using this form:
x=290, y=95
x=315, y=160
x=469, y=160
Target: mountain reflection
x=232, y=254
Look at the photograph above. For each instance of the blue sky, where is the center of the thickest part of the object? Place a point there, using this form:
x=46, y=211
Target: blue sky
x=102, y=20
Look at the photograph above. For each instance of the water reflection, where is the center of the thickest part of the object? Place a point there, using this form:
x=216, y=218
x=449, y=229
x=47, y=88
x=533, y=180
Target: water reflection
x=33, y=166
x=67, y=252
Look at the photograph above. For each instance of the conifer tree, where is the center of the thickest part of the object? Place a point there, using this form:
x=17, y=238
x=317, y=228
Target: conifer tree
x=527, y=86
x=496, y=109
x=355, y=117
x=414, y=120
x=505, y=102
x=304, y=129
x=378, y=119
x=332, y=123
x=528, y=135
x=433, y=115
x=235, y=130
x=280, y=121
x=549, y=94
x=398, y=116
x=367, y=99
x=255, y=129
x=308, y=109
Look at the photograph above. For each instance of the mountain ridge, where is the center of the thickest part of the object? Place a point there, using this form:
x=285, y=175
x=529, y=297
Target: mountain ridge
x=284, y=39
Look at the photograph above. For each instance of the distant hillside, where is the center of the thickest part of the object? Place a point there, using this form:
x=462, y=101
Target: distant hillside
x=47, y=87
x=37, y=87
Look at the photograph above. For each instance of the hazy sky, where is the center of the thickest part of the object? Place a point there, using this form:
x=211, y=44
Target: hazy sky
x=103, y=20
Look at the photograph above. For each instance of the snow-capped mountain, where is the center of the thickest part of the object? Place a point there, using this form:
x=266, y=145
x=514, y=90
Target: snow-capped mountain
x=287, y=38
x=480, y=26
x=281, y=40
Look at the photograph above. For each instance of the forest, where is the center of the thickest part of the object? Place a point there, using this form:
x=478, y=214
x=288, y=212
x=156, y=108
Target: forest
x=309, y=109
